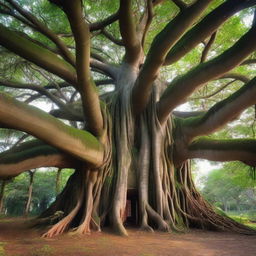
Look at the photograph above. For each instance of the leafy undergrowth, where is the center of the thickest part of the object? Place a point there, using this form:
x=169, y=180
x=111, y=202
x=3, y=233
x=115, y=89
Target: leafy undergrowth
x=17, y=240
x=247, y=218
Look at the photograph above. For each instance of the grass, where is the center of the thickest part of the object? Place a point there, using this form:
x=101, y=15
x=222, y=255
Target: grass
x=247, y=218
x=2, y=250
x=46, y=250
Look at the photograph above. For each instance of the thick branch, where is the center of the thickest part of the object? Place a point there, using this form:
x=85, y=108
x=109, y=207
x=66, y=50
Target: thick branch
x=249, y=62
x=59, y=113
x=157, y=2
x=128, y=32
x=184, y=114
x=205, y=28
x=158, y=50
x=183, y=86
x=112, y=38
x=145, y=21
x=222, y=112
x=236, y=76
x=223, y=150
x=208, y=47
x=37, y=55
x=20, y=116
x=180, y=4
x=76, y=107
x=102, y=24
x=40, y=89
x=86, y=85
x=31, y=155
x=105, y=68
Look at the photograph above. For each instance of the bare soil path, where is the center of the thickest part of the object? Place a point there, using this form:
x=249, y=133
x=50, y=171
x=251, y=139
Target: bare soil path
x=17, y=240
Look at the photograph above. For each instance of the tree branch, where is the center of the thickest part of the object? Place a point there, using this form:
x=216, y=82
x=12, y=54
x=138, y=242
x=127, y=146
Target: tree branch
x=102, y=24
x=30, y=155
x=178, y=91
x=222, y=112
x=208, y=47
x=249, y=62
x=215, y=92
x=36, y=54
x=157, y=2
x=145, y=21
x=187, y=114
x=43, y=91
x=112, y=38
x=205, y=28
x=128, y=32
x=223, y=150
x=105, y=68
x=180, y=4
x=6, y=10
x=33, y=87
x=86, y=85
x=59, y=113
x=158, y=50
x=20, y=116
x=235, y=76
x=42, y=28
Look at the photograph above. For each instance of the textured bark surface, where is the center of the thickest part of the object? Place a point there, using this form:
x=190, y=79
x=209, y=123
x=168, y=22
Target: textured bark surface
x=142, y=152
x=127, y=143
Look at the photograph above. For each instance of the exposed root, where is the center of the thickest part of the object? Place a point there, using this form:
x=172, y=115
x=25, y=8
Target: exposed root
x=167, y=197
x=84, y=227
x=146, y=227
x=161, y=224
x=62, y=225
x=119, y=228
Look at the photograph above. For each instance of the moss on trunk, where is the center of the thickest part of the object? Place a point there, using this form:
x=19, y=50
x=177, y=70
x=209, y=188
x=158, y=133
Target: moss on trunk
x=166, y=195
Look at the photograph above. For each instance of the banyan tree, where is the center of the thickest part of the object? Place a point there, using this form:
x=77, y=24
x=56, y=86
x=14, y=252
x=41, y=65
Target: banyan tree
x=115, y=72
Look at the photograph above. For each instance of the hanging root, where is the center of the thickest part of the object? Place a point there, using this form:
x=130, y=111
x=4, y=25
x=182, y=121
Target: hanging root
x=167, y=197
x=200, y=213
x=123, y=132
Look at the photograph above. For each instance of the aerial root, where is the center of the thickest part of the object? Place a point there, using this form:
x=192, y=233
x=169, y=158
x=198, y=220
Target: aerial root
x=161, y=224
x=63, y=224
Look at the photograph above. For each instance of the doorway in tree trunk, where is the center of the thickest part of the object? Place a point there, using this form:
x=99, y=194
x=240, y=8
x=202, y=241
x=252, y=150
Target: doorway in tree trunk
x=131, y=209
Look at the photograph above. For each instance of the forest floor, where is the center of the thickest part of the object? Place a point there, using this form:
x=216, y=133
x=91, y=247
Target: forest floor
x=17, y=240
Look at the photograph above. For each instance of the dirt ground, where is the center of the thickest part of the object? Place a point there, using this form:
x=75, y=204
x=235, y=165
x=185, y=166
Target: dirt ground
x=17, y=240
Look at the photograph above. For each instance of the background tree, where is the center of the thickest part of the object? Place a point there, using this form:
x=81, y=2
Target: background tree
x=30, y=191
x=58, y=181
x=130, y=137
x=16, y=192
x=231, y=187
x=3, y=184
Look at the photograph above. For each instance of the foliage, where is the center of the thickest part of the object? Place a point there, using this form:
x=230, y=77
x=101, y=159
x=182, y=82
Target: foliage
x=231, y=187
x=44, y=191
x=110, y=75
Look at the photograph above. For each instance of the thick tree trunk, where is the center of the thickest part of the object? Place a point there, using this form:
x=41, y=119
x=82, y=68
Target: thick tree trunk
x=140, y=158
